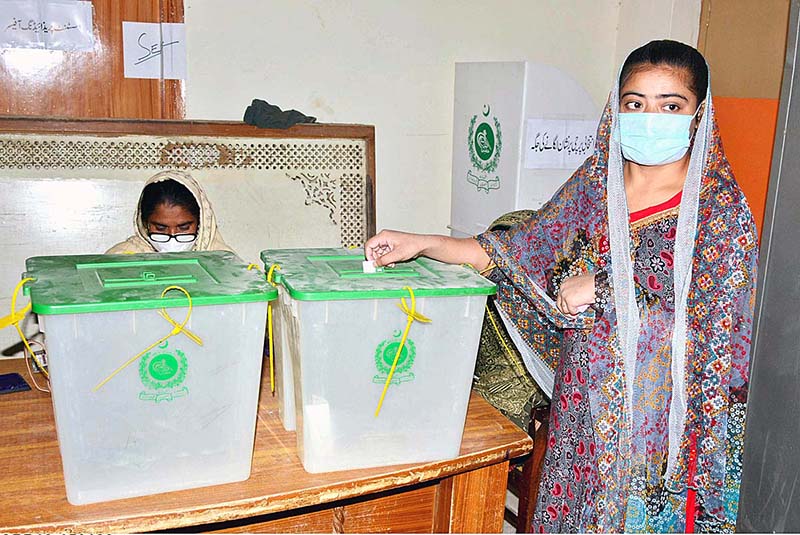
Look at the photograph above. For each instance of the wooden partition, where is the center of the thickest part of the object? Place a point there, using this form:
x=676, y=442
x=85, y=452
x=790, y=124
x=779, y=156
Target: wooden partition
x=71, y=186
x=744, y=43
x=92, y=83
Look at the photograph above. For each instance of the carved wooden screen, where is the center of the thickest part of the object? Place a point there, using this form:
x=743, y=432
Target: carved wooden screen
x=71, y=186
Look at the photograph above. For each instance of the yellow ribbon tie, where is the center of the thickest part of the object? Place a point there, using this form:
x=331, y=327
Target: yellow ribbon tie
x=410, y=312
x=18, y=315
x=413, y=315
x=511, y=354
x=14, y=317
x=176, y=329
x=270, y=274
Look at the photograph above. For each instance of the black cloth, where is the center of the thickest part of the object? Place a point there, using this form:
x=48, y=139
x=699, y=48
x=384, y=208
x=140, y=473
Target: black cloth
x=265, y=115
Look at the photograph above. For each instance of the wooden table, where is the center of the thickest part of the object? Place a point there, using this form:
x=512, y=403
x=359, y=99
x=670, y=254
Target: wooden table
x=466, y=494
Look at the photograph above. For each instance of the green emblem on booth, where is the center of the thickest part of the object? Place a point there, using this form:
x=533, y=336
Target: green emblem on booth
x=162, y=373
x=485, y=143
x=384, y=357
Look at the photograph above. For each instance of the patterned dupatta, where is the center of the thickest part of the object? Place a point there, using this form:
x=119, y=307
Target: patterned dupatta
x=714, y=275
x=622, y=267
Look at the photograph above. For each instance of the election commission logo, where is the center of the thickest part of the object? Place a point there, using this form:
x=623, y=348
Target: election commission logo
x=384, y=358
x=485, y=143
x=162, y=374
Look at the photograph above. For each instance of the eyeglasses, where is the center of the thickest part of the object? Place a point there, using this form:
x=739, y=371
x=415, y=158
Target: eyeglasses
x=180, y=238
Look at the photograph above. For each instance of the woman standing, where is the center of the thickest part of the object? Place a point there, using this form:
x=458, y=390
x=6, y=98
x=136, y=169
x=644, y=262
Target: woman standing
x=651, y=384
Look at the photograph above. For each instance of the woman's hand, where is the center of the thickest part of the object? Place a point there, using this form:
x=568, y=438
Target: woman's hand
x=390, y=246
x=576, y=294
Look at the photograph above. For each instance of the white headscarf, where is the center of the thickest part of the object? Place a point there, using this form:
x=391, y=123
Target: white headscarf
x=208, y=236
x=622, y=267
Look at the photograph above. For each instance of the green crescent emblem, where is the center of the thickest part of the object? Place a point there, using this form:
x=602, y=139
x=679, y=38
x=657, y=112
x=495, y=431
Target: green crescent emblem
x=485, y=143
x=384, y=358
x=162, y=373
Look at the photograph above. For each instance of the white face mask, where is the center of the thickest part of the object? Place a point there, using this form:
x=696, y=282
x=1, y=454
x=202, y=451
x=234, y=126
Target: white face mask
x=172, y=246
x=655, y=138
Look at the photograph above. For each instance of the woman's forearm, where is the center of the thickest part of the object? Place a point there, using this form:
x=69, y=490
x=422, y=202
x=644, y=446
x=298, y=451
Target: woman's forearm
x=455, y=250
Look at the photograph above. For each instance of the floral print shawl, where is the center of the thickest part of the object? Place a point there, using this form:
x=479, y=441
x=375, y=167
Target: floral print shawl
x=571, y=233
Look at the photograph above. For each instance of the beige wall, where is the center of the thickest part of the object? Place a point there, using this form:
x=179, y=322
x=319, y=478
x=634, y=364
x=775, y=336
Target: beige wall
x=391, y=64
x=751, y=65
x=641, y=21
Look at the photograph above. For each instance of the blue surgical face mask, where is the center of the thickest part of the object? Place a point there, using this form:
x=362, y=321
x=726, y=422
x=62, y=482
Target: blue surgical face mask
x=654, y=138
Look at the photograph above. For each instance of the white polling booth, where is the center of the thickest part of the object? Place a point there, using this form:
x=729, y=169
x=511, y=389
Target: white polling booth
x=519, y=131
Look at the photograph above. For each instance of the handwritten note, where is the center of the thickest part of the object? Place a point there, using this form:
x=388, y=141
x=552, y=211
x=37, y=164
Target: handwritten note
x=50, y=24
x=558, y=143
x=153, y=50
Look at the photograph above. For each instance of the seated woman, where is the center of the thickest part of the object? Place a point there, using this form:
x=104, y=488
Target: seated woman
x=173, y=215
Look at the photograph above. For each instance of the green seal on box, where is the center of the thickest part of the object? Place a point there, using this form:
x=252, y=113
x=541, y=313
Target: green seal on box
x=162, y=373
x=384, y=358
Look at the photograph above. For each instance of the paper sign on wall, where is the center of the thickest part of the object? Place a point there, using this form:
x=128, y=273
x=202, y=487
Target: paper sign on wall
x=558, y=143
x=48, y=24
x=153, y=50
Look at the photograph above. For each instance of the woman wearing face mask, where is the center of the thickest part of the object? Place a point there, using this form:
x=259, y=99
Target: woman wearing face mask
x=173, y=215
x=653, y=235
